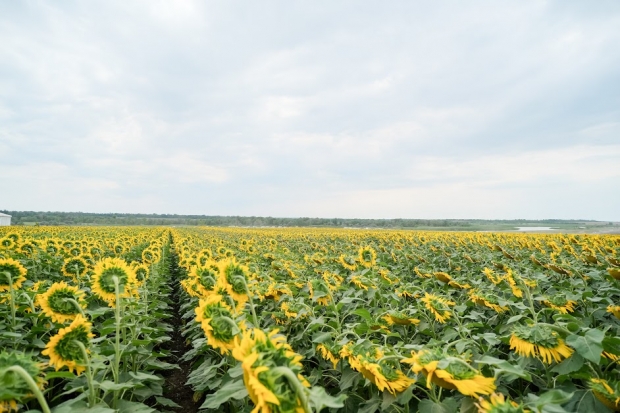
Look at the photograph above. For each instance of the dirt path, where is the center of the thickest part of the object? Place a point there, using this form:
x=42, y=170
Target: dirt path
x=174, y=387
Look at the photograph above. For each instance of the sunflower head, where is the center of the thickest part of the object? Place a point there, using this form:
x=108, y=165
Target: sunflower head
x=539, y=341
x=319, y=292
x=12, y=273
x=607, y=392
x=347, y=262
x=217, y=321
x=438, y=306
x=74, y=266
x=63, y=350
x=367, y=257
x=13, y=389
x=59, y=302
x=103, y=279
x=497, y=403
x=234, y=277
x=263, y=356
x=205, y=277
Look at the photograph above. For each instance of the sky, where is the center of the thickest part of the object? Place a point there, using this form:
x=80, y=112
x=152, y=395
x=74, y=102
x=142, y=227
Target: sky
x=352, y=109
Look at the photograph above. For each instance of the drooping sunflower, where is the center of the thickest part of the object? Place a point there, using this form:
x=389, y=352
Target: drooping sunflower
x=203, y=256
x=383, y=373
x=497, y=403
x=234, y=277
x=606, y=392
x=217, y=321
x=319, y=292
x=14, y=389
x=539, y=341
x=367, y=256
x=398, y=318
x=438, y=306
x=347, y=262
x=261, y=357
x=487, y=300
x=12, y=273
x=615, y=310
x=102, y=281
x=74, y=267
x=561, y=304
x=62, y=348
x=56, y=302
x=332, y=280
x=450, y=373
x=329, y=353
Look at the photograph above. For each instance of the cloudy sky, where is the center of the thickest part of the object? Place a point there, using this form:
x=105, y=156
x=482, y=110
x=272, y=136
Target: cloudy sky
x=365, y=109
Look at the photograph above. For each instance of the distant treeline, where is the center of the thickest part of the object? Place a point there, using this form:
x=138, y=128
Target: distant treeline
x=82, y=218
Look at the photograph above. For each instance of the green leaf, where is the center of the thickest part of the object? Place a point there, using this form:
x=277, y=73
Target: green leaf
x=365, y=314
x=164, y=401
x=571, y=364
x=549, y=402
x=504, y=367
x=589, y=346
x=429, y=406
x=321, y=337
x=125, y=406
x=514, y=318
x=231, y=390
x=584, y=401
x=320, y=399
x=108, y=385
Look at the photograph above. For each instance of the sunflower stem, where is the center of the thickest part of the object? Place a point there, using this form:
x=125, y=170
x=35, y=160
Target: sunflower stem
x=89, y=374
x=294, y=381
x=117, y=343
x=77, y=305
x=231, y=322
x=11, y=297
x=247, y=290
x=33, y=386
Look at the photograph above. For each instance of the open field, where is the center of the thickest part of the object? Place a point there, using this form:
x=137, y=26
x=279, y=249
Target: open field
x=184, y=319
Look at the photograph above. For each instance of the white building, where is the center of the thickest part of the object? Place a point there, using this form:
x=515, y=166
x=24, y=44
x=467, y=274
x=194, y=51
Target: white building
x=5, y=220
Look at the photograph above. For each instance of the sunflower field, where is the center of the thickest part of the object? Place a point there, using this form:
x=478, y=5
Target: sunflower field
x=308, y=320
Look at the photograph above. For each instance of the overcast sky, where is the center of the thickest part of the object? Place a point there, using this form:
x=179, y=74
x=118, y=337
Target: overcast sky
x=366, y=109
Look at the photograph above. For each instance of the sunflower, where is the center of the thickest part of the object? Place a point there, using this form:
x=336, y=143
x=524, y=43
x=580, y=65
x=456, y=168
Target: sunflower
x=319, y=292
x=332, y=280
x=395, y=317
x=608, y=395
x=360, y=282
x=614, y=272
x=347, y=262
x=56, y=305
x=234, y=277
x=74, y=267
x=203, y=256
x=204, y=279
x=12, y=273
x=367, y=256
x=486, y=300
x=383, y=373
x=142, y=272
x=497, y=403
x=439, y=306
x=328, y=353
x=102, y=281
x=275, y=291
x=263, y=358
x=615, y=310
x=14, y=389
x=8, y=243
x=62, y=348
x=539, y=341
x=561, y=304
x=217, y=321
x=450, y=373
